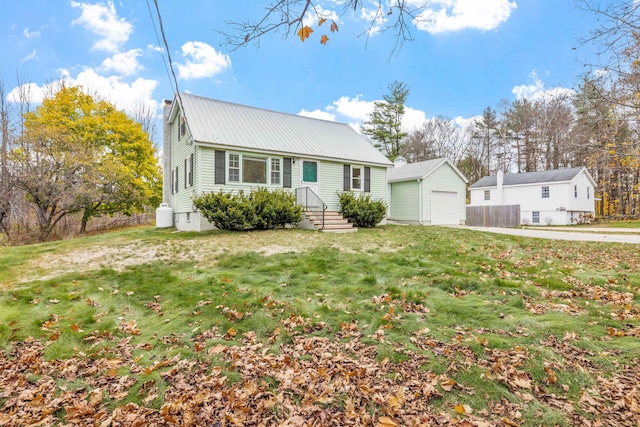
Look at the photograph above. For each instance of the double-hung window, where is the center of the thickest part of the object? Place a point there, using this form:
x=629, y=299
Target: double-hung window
x=535, y=217
x=487, y=194
x=588, y=192
x=545, y=192
x=356, y=178
x=275, y=172
x=188, y=171
x=234, y=168
x=575, y=191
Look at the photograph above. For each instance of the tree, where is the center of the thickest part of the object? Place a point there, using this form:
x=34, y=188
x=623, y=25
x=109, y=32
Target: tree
x=6, y=186
x=289, y=16
x=385, y=121
x=83, y=155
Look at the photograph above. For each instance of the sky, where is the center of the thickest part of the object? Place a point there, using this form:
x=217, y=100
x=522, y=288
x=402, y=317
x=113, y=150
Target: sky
x=466, y=55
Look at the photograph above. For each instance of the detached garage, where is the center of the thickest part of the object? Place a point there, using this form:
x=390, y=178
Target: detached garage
x=432, y=192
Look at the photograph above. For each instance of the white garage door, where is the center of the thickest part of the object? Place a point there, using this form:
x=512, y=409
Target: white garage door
x=444, y=208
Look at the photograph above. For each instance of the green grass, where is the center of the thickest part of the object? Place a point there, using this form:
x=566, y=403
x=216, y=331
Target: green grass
x=468, y=291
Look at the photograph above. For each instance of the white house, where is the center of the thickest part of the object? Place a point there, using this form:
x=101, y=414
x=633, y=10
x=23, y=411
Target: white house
x=432, y=192
x=212, y=145
x=553, y=197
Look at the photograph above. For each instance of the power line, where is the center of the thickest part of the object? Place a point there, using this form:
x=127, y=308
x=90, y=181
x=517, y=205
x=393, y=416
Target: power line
x=164, y=60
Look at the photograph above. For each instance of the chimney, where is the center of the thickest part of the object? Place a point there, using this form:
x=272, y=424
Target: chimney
x=166, y=154
x=399, y=162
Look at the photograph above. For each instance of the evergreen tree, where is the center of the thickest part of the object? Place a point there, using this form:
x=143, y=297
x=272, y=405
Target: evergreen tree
x=385, y=122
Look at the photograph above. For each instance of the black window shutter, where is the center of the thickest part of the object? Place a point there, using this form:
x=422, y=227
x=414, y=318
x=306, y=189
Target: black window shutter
x=186, y=173
x=347, y=177
x=191, y=170
x=286, y=172
x=173, y=182
x=177, y=176
x=367, y=179
x=220, y=168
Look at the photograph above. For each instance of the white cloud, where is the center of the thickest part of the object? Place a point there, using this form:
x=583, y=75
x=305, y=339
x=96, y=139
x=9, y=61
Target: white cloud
x=31, y=34
x=125, y=96
x=311, y=19
x=455, y=15
x=318, y=114
x=412, y=119
x=124, y=63
x=103, y=20
x=536, y=91
x=29, y=57
x=155, y=48
x=352, y=108
x=376, y=19
x=202, y=60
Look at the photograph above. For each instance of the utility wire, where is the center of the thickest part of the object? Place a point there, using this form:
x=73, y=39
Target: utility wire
x=164, y=60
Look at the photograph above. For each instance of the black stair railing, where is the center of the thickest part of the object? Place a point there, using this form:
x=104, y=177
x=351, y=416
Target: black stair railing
x=310, y=201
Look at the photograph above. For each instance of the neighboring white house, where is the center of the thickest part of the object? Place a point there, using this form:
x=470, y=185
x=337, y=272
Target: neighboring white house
x=546, y=198
x=432, y=192
x=211, y=145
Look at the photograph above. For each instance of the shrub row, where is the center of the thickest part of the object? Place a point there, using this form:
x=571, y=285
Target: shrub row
x=260, y=209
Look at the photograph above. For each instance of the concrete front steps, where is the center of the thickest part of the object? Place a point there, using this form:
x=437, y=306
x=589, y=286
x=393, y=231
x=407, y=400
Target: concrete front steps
x=334, y=222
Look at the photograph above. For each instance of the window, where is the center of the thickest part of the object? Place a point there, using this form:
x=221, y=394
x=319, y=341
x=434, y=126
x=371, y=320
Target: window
x=487, y=194
x=188, y=216
x=309, y=171
x=535, y=217
x=182, y=129
x=275, y=171
x=188, y=171
x=254, y=170
x=588, y=192
x=575, y=191
x=356, y=178
x=234, y=168
x=545, y=192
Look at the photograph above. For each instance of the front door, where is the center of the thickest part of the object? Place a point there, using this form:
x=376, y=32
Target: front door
x=310, y=175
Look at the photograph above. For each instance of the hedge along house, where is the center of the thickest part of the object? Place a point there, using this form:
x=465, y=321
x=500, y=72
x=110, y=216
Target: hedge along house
x=211, y=145
x=432, y=192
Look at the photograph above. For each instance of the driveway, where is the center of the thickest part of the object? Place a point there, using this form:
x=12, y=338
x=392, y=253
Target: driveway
x=566, y=233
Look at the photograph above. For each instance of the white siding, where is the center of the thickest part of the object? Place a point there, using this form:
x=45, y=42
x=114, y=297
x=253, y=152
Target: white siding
x=181, y=149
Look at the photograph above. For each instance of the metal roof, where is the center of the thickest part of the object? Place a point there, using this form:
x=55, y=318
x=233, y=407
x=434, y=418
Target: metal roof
x=556, y=175
x=419, y=170
x=237, y=126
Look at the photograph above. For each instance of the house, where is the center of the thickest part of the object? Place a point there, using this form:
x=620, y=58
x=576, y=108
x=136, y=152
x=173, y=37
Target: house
x=211, y=145
x=432, y=192
x=553, y=197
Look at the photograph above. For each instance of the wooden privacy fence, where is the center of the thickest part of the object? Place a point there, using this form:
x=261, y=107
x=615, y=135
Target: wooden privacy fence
x=493, y=216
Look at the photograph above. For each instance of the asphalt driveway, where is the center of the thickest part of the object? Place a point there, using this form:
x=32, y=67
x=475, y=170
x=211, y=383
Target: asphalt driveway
x=618, y=235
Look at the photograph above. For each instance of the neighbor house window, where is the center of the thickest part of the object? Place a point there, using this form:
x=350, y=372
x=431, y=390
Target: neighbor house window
x=575, y=191
x=545, y=192
x=234, y=168
x=487, y=194
x=356, y=178
x=535, y=217
x=254, y=170
x=588, y=192
x=275, y=171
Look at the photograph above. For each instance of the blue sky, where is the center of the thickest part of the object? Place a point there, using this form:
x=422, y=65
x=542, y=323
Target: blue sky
x=467, y=55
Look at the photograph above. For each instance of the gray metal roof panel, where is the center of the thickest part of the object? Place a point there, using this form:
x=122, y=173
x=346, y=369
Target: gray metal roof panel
x=556, y=175
x=228, y=124
x=414, y=170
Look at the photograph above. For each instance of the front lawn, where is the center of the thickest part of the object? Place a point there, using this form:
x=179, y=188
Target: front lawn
x=391, y=326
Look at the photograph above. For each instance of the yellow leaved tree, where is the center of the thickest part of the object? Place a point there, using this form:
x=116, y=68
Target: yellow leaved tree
x=82, y=155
